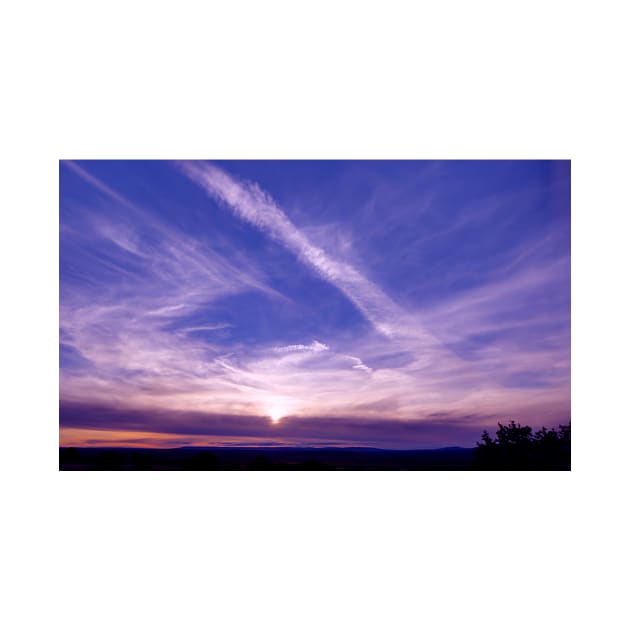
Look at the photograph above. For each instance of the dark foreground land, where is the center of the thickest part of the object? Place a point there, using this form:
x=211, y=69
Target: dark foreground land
x=263, y=459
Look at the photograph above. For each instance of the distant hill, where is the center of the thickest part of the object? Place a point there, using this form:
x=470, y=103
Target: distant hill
x=269, y=458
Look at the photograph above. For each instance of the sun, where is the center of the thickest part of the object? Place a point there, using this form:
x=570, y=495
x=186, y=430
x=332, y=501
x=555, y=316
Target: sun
x=277, y=410
x=276, y=414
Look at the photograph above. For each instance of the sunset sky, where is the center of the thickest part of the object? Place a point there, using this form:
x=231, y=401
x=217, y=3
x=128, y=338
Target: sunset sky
x=394, y=304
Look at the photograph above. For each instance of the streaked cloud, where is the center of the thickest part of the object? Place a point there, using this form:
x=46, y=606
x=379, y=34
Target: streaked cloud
x=253, y=205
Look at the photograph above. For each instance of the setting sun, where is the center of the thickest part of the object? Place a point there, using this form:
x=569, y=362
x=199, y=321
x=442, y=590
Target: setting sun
x=276, y=414
x=276, y=410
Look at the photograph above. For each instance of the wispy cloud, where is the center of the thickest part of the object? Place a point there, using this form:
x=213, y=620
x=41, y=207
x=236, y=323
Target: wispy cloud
x=253, y=205
x=220, y=326
x=100, y=185
x=315, y=346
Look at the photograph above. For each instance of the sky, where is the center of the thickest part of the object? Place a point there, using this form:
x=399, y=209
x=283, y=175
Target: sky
x=387, y=304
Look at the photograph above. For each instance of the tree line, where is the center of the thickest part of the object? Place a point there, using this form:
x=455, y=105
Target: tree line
x=517, y=447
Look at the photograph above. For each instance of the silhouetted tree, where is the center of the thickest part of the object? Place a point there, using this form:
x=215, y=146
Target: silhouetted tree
x=517, y=447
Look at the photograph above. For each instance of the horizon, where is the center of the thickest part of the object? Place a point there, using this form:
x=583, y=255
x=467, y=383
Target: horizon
x=399, y=305
x=246, y=447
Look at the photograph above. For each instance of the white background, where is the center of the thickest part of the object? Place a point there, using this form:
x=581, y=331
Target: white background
x=313, y=80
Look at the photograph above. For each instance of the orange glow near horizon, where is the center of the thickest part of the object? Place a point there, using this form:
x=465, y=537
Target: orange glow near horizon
x=129, y=439
x=85, y=438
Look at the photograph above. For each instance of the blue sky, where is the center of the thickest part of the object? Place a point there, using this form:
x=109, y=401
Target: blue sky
x=370, y=303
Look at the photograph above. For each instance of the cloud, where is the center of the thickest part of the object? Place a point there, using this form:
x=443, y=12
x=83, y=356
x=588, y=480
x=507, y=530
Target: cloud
x=256, y=207
x=100, y=185
x=219, y=326
x=315, y=346
x=81, y=423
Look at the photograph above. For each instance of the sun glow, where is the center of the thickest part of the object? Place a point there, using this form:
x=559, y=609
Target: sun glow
x=276, y=410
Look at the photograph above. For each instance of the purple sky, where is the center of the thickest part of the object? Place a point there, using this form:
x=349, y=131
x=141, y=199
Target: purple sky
x=394, y=304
